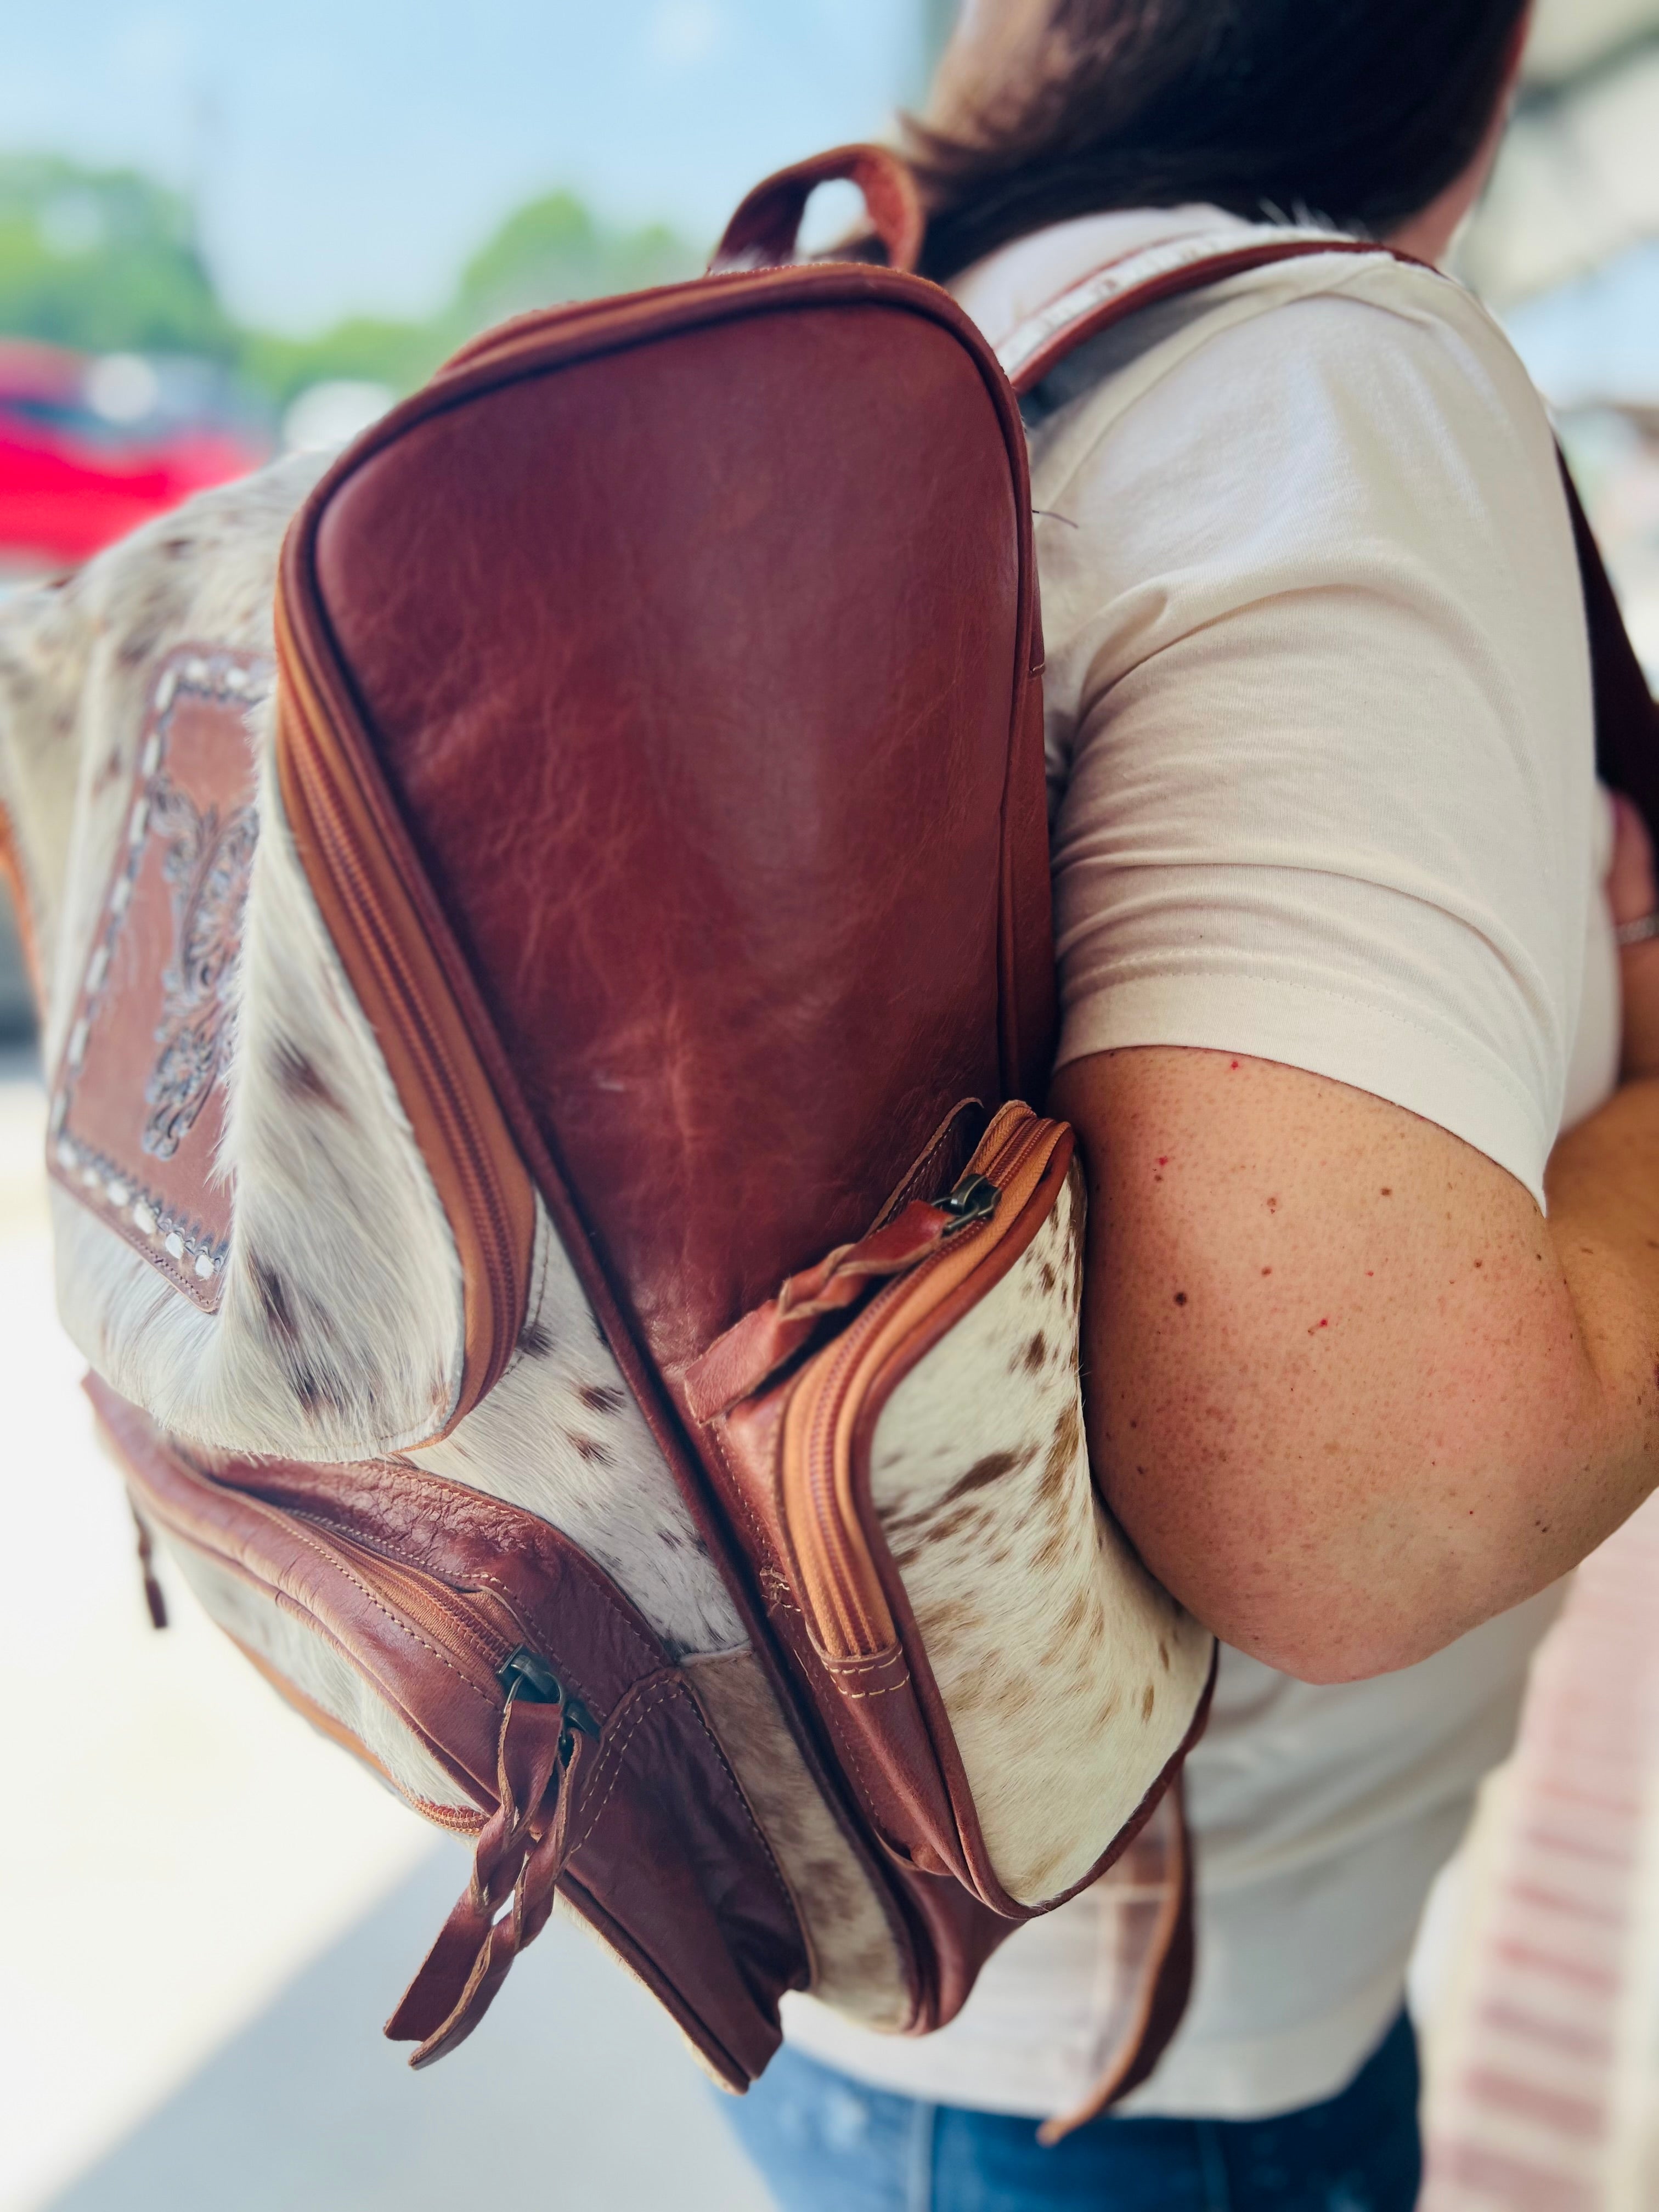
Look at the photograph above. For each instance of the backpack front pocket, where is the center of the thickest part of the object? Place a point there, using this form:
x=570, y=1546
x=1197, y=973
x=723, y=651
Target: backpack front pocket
x=1012, y=1687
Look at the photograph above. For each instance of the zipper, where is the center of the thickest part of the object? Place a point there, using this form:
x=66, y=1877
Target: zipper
x=474, y=1629
x=340, y=848
x=845, y=1608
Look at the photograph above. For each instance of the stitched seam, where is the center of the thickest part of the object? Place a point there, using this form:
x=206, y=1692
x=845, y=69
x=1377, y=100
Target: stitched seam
x=340, y=1528
x=763, y=1542
x=202, y=1294
x=651, y=1702
x=779, y=1565
x=401, y=1626
x=654, y=1658
x=852, y=1753
x=684, y=1687
x=641, y=1712
x=458, y=1819
x=834, y=1720
x=566, y=1671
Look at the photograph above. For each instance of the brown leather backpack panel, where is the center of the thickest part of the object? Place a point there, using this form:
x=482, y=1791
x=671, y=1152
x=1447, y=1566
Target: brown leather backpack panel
x=669, y=757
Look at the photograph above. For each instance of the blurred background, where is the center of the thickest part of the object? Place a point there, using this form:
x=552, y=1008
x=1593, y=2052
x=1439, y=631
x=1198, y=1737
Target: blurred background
x=228, y=232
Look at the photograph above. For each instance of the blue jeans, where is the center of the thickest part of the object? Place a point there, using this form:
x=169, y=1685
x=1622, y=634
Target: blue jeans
x=826, y=2144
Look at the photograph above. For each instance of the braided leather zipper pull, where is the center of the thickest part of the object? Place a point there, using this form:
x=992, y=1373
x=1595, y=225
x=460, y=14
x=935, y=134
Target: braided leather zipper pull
x=541, y=1751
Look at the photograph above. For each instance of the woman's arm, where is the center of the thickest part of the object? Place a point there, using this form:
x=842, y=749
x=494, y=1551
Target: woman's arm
x=1349, y=1392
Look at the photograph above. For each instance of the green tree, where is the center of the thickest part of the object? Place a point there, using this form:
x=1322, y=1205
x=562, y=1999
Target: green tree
x=105, y=260
x=363, y=349
x=552, y=251
x=546, y=253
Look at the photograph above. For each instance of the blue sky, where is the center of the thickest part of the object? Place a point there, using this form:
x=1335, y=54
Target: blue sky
x=348, y=154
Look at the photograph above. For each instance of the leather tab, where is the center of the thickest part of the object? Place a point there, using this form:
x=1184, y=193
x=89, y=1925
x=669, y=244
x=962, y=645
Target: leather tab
x=460, y=1975
x=765, y=232
x=736, y=1364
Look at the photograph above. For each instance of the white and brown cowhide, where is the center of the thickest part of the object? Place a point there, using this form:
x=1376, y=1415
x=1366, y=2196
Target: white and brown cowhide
x=1070, y=1677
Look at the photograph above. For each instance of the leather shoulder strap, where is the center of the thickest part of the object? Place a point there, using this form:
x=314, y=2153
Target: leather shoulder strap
x=1626, y=716
x=1141, y=279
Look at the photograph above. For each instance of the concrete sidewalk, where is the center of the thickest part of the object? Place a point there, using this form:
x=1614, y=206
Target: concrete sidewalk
x=575, y=2095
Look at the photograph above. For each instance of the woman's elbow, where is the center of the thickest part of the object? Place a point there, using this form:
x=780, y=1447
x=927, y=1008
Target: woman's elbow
x=1307, y=1607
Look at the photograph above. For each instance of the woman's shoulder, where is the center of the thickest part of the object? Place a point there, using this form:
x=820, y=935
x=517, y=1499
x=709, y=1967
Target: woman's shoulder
x=1350, y=437
x=1386, y=361
x=1345, y=395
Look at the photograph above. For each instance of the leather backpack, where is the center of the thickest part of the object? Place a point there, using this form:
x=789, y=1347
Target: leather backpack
x=547, y=975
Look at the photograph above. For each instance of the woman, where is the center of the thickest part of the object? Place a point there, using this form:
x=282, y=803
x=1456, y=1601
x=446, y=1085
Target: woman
x=1338, y=969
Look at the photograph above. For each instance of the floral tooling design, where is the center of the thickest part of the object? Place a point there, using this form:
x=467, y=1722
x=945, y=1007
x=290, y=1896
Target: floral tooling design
x=207, y=866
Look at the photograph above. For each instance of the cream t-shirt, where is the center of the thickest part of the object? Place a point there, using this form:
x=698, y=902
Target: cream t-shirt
x=1320, y=762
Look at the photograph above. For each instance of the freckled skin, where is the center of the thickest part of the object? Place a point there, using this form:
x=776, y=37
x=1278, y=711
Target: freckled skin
x=1373, y=1443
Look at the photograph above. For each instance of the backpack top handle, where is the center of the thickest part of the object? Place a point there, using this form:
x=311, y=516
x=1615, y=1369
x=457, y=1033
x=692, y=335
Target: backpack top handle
x=765, y=232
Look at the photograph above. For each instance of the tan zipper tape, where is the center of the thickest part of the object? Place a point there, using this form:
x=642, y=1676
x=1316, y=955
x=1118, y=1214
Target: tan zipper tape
x=850, y=1615
x=469, y=1637
x=405, y=1590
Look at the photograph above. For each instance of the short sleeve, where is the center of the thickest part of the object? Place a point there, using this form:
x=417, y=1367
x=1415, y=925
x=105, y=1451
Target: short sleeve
x=1320, y=721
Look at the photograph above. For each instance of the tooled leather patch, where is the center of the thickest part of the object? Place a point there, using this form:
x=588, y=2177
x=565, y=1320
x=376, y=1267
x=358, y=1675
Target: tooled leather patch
x=138, y=1110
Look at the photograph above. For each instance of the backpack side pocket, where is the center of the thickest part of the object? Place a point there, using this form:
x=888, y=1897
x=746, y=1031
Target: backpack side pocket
x=485, y=1666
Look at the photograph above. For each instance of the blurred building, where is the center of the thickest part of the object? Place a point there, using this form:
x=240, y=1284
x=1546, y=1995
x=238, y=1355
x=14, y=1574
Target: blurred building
x=1566, y=249
x=1578, y=186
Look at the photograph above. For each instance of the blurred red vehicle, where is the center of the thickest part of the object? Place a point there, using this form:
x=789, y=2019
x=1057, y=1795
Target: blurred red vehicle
x=75, y=475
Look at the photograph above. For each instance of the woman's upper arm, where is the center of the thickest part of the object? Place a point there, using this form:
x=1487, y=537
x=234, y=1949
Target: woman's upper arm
x=1323, y=876
x=1332, y=1372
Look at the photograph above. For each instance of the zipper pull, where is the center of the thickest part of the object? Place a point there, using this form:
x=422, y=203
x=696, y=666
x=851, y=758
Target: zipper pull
x=517, y=1861
x=975, y=1199
x=537, y=1682
x=538, y=1685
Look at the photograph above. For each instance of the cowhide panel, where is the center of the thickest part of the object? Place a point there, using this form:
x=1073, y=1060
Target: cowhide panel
x=321, y=1672
x=855, y=1965
x=339, y=1336
x=561, y=1436
x=1069, y=1676
x=339, y=1332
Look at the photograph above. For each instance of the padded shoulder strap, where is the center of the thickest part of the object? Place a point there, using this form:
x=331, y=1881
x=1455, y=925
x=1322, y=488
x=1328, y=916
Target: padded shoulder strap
x=1626, y=716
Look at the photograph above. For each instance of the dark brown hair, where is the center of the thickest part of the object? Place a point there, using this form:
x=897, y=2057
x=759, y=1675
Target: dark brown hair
x=1352, y=112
